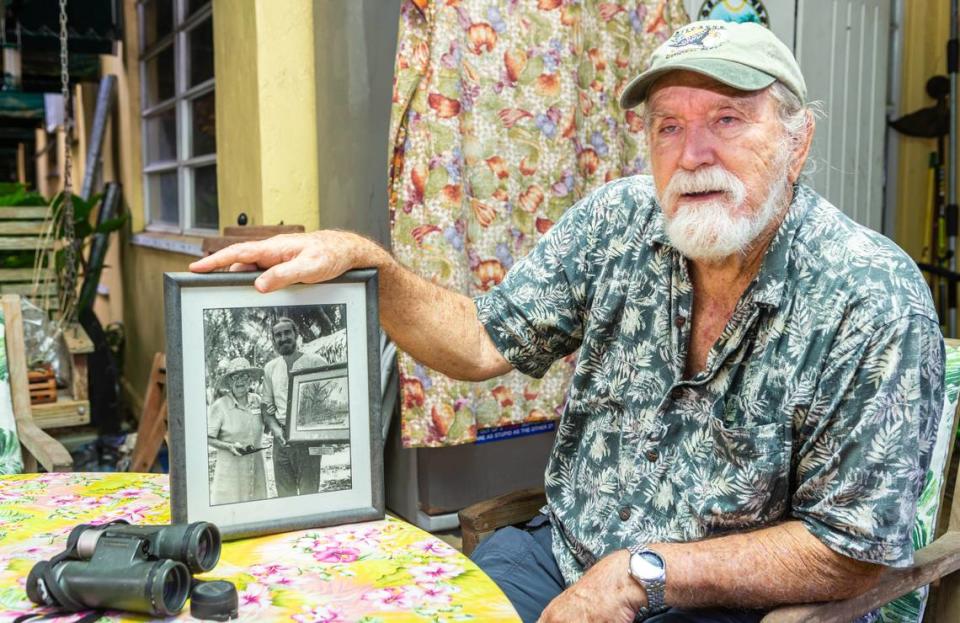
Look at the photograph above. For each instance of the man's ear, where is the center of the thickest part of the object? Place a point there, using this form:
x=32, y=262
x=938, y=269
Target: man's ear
x=802, y=149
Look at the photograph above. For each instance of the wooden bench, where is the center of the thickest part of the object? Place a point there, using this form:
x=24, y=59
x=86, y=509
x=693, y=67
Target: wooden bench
x=26, y=229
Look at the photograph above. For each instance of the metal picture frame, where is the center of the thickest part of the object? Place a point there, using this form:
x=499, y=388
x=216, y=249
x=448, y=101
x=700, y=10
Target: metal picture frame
x=199, y=310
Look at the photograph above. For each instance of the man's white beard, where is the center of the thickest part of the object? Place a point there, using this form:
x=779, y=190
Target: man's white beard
x=712, y=231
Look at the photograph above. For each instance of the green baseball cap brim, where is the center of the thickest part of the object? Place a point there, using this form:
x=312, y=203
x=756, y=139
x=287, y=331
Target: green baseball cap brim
x=730, y=73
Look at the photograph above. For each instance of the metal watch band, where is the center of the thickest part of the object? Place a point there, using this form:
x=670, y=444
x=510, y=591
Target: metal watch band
x=655, y=589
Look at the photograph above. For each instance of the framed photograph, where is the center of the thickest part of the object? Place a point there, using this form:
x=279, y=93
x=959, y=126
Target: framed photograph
x=274, y=402
x=319, y=405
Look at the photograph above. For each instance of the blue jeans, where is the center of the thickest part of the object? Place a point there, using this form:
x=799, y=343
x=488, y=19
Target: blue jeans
x=521, y=562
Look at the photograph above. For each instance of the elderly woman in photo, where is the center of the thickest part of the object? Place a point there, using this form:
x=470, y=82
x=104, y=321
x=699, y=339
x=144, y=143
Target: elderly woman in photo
x=235, y=429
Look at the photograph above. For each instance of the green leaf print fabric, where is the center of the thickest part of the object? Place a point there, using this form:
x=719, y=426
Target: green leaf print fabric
x=909, y=608
x=10, y=459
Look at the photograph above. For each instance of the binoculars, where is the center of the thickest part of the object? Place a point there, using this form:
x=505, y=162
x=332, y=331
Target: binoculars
x=117, y=566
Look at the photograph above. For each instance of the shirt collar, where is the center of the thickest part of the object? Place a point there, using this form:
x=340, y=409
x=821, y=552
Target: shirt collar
x=236, y=403
x=769, y=285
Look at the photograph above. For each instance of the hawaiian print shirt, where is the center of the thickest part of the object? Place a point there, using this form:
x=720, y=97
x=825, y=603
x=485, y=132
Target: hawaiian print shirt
x=819, y=401
x=504, y=114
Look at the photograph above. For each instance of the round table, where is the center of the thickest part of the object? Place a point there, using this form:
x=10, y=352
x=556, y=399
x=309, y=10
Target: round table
x=382, y=570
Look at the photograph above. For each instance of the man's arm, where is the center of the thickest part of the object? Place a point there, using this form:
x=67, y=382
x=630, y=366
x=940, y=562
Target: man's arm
x=782, y=564
x=437, y=327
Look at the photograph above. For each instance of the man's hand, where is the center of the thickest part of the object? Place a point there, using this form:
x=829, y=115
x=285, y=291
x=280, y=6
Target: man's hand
x=277, y=433
x=605, y=593
x=296, y=258
x=235, y=447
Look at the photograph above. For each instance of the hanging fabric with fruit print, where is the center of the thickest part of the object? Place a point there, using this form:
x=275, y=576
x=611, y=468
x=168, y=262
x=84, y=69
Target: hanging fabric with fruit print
x=504, y=115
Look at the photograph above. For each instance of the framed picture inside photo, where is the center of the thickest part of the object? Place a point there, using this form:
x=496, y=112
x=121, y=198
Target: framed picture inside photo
x=274, y=402
x=319, y=405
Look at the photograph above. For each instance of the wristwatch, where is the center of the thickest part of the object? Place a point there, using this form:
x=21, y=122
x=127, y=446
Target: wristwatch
x=650, y=571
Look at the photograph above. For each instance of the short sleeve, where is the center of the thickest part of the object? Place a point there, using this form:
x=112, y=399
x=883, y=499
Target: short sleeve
x=267, y=398
x=536, y=314
x=865, y=444
x=215, y=419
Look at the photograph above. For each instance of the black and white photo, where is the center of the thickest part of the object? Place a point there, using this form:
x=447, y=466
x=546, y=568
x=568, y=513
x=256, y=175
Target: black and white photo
x=278, y=402
x=255, y=358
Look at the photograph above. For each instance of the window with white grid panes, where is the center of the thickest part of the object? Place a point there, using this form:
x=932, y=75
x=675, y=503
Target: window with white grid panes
x=178, y=115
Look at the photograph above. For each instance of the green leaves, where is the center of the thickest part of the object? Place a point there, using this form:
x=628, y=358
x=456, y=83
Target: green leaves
x=82, y=211
x=16, y=194
x=533, y=69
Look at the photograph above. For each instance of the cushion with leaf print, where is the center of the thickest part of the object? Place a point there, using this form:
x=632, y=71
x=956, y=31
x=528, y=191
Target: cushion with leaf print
x=910, y=607
x=10, y=459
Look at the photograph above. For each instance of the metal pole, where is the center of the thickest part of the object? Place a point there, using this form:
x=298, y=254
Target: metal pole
x=100, y=116
x=953, y=52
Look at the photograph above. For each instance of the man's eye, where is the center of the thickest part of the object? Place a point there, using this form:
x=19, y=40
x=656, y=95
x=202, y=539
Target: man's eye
x=669, y=129
x=728, y=120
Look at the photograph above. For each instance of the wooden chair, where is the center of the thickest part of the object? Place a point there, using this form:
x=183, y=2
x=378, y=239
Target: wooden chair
x=153, y=419
x=38, y=446
x=940, y=560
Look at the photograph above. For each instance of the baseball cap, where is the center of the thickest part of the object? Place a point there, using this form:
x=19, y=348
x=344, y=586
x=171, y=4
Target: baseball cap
x=745, y=56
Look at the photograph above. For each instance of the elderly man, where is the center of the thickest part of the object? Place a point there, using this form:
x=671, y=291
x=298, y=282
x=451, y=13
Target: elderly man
x=296, y=467
x=759, y=378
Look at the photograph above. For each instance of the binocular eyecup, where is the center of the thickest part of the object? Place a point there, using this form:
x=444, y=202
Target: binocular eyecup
x=118, y=566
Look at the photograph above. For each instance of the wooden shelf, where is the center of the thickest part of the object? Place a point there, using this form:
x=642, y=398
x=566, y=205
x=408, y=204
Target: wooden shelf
x=64, y=412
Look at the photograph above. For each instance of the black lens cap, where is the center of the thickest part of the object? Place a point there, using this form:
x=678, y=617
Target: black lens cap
x=213, y=601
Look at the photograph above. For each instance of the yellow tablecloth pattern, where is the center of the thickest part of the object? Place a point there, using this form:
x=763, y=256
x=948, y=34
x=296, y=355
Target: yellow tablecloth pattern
x=385, y=571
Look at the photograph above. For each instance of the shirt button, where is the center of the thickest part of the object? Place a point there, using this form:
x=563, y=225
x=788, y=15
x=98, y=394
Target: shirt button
x=679, y=321
x=624, y=513
x=652, y=455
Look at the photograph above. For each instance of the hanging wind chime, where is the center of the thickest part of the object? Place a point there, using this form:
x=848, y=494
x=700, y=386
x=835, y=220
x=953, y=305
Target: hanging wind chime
x=61, y=270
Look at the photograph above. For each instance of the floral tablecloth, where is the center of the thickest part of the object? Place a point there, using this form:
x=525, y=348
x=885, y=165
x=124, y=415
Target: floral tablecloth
x=385, y=571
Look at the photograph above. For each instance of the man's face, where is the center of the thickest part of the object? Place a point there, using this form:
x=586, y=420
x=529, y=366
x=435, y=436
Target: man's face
x=721, y=163
x=284, y=338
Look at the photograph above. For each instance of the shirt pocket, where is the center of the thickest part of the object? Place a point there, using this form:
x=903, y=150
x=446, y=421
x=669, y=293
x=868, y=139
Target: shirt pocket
x=742, y=481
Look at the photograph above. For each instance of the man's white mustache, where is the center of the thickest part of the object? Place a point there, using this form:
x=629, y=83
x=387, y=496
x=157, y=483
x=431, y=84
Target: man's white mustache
x=705, y=179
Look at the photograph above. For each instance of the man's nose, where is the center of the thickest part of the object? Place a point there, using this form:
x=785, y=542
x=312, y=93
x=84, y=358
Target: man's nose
x=698, y=148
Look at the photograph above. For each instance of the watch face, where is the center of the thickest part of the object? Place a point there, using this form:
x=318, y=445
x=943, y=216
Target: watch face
x=646, y=566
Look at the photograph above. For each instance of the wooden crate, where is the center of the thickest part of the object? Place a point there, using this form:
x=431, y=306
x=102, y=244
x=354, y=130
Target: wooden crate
x=72, y=407
x=42, y=384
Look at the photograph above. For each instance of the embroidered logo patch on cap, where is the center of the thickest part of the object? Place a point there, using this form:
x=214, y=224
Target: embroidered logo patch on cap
x=696, y=37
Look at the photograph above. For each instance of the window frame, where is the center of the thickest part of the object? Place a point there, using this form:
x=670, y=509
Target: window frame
x=181, y=103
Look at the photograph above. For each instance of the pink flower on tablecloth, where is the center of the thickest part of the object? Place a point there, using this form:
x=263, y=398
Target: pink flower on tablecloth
x=13, y=495
x=313, y=541
x=337, y=554
x=435, y=571
x=395, y=597
x=438, y=593
x=62, y=500
x=134, y=514
x=274, y=575
x=255, y=595
x=128, y=493
x=319, y=614
x=370, y=538
x=434, y=547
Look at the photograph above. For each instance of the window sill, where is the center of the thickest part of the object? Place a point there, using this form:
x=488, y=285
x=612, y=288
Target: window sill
x=173, y=243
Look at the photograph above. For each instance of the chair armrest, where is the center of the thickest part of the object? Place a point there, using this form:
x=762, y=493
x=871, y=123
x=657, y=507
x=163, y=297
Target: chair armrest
x=77, y=340
x=488, y=515
x=45, y=449
x=940, y=558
